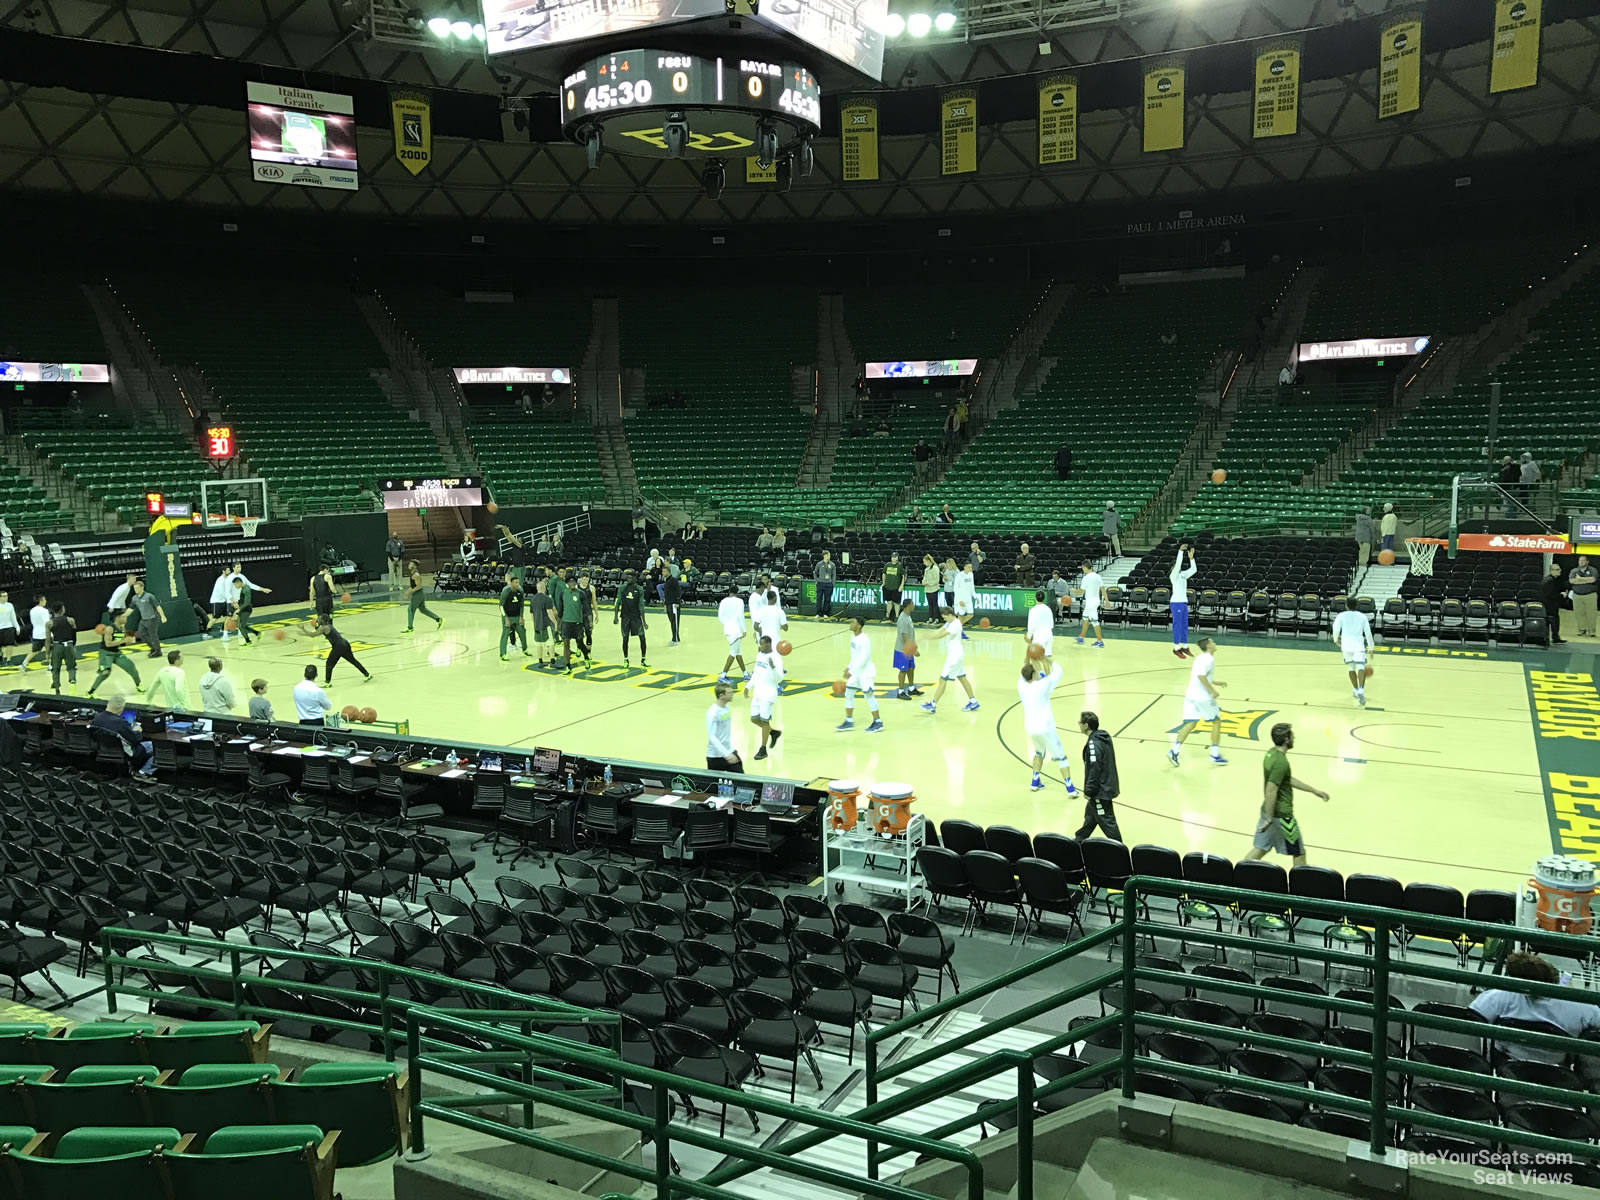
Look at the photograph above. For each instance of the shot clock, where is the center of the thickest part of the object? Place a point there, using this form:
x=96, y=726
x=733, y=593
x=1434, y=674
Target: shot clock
x=219, y=442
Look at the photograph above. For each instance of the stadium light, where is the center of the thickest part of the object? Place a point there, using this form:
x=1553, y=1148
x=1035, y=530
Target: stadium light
x=477, y=32
x=944, y=22
x=918, y=24
x=462, y=29
x=894, y=25
x=439, y=27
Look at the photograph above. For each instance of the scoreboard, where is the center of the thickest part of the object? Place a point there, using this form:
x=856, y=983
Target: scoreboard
x=656, y=79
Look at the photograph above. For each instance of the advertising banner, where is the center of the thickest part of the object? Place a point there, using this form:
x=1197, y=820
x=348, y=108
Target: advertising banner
x=1058, y=120
x=1400, y=66
x=958, y=124
x=1163, y=106
x=1360, y=349
x=1003, y=606
x=1516, y=45
x=926, y=369
x=32, y=372
x=1277, y=96
x=858, y=127
x=465, y=375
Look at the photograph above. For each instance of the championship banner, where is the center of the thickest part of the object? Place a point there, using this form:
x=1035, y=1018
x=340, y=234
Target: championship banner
x=413, y=129
x=1163, y=107
x=754, y=172
x=1277, y=100
x=858, y=136
x=1400, y=67
x=1058, y=120
x=958, y=124
x=1516, y=45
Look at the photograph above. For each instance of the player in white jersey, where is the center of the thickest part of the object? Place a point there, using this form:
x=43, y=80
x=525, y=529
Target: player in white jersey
x=758, y=597
x=1035, y=686
x=1179, y=576
x=860, y=676
x=1352, y=633
x=1094, y=593
x=955, y=666
x=966, y=594
x=764, y=684
x=730, y=614
x=771, y=620
x=1042, y=624
x=1201, y=703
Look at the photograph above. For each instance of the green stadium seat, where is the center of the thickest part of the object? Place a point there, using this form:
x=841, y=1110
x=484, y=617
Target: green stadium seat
x=278, y=1162
x=365, y=1101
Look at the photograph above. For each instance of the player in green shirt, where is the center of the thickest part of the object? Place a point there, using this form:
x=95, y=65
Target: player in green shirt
x=1278, y=830
x=571, y=621
x=511, y=626
x=629, y=613
x=418, y=603
x=111, y=655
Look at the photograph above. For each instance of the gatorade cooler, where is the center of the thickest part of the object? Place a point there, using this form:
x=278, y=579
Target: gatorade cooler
x=891, y=807
x=842, y=796
x=1559, y=896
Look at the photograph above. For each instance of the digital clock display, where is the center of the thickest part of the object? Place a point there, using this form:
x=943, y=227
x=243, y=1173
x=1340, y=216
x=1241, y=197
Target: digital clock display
x=219, y=441
x=461, y=492
x=639, y=79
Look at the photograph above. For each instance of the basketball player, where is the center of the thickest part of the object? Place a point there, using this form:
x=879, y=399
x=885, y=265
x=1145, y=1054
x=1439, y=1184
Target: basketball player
x=519, y=557
x=771, y=620
x=39, y=630
x=730, y=614
x=966, y=589
x=1180, y=576
x=111, y=655
x=590, y=603
x=511, y=624
x=1277, y=829
x=758, y=599
x=764, y=684
x=1202, y=702
x=860, y=675
x=954, y=663
x=572, y=623
x=416, y=602
x=321, y=597
x=720, y=754
x=10, y=627
x=628, y=611
x=542, y=606
x=241, y=605
x=1041, y=625
x=1352, y=633
x=672, y=597
x=221, y=601
x=1036, y=683
x=905, y=662
x=338, y=648
x=1094, y=592
x=118, y=603
x=61, y=637
x=171, y=685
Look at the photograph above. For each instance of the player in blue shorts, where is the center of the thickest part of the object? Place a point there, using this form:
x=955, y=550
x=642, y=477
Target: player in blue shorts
x=905, y=662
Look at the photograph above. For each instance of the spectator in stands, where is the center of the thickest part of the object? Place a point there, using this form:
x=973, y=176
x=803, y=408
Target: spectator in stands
x=951, y=429
x=780, y=542
x=1366, y=534
x=1510, y=475
x=311, y=703
x=543, y=548
x=914, y=520
x=329, y=556
x=1062, y=591
x=1111, y=526
x=1582, y=580
x=1552, y=596
x=1387, y=526
x=260, y=706
x=1529, y=475
x=975, y=559
x=922, y=457
x=963, y=413
x=468, y=548
x=883, y=430
x=638, y=518
x=1024, y=566
x=1063, y=461
x=525, y=402
x=945, y=517
x=764, y=543
x=216, y=690
x=826, y=574
x=1286, y=377
x=366, y=498
x=1573, y=1017
x=111, y=722
x=170, y=686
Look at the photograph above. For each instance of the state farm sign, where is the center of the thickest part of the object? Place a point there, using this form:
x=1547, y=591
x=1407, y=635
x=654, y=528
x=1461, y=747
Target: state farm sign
x=1530, y=543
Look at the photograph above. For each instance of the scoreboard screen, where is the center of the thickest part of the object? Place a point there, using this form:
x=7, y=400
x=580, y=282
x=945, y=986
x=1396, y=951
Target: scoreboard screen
x=515, y=25
x=848, y=30
x=302, y=137
x=654, y=79
x=465, y=491
x=219, y=442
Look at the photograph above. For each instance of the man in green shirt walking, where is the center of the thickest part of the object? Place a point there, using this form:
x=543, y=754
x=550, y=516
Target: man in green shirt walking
x=511, y=626
x=417, y=600
x=1278, y=830
x=894, y=578
x=571, y=621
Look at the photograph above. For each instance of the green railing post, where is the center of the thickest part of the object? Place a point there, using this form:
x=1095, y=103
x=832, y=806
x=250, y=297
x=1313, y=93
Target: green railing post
x=1130, y=913
x=872, y=1098
x=386, y=1022
x=662, y=1112
x=419, y=1145
x=111, y=973
x=238, y=986
x=1380, y=1039
x=1025, y=1131
x=527, y=1077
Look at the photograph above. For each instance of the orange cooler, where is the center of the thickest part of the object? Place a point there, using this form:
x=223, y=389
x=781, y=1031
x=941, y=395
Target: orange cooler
x=842, y=797
x=891, y=807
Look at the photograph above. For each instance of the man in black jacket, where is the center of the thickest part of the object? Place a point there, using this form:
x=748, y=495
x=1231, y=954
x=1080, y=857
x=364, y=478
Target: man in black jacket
x=111, y=723
x=1099, y=780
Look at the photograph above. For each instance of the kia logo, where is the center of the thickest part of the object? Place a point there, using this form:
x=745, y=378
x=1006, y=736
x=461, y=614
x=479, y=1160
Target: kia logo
x=265, y=172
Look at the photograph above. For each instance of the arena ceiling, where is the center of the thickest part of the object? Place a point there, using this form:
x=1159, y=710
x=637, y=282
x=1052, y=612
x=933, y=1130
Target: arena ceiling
x=58, y=134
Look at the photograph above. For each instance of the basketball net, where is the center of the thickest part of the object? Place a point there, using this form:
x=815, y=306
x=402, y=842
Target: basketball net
x=249, y=525
x=1421, y=555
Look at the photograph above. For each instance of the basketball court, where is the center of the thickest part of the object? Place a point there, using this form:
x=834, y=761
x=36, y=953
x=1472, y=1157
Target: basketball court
x=1439, y=778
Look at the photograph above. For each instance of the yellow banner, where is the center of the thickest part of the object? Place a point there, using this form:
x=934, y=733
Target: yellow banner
x=858, y=125
x=1400, y=67
x=958, y=123
x=1516, y=45
x=1163, y=107
x=413, y=129
x=1058, y=120
x=754, y=172
x=1277, y=91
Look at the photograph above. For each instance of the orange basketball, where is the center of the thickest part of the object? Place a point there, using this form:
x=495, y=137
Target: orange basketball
x=911, y=650
x=231, y=624
x=99, y=628
x=1035, y=650
x=1366, y=674
x=1386, y=557
x=784, y=647
x=367, y=716
x=838, y=687
x=983, y=622
x=350, y=712
x=492, y=507
x=278, y=635
x=1219, y=476
x=345, y=598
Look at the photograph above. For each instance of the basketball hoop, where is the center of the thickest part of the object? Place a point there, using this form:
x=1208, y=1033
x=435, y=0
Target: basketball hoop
x=1422, y=551
x=249, y=525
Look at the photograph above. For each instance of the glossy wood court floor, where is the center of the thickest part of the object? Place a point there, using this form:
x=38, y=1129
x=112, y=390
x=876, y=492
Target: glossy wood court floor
x=1439, y=778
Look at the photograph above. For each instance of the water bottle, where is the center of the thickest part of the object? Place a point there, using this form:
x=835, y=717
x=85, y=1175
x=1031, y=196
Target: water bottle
x=607, y=775
x=450, y=760
x=571, y=787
